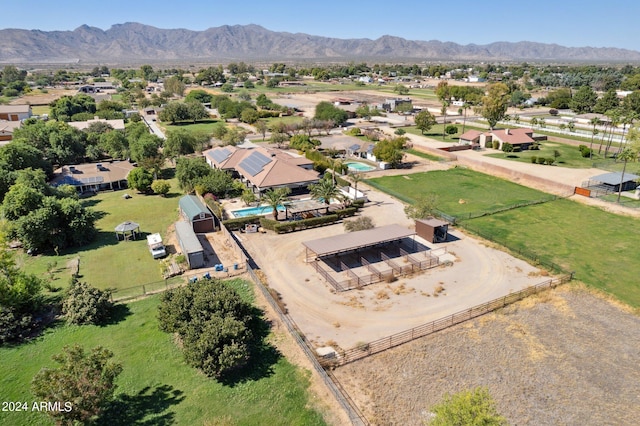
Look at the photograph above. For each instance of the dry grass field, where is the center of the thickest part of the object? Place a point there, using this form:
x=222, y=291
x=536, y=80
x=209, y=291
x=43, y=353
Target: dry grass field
x=565, y=357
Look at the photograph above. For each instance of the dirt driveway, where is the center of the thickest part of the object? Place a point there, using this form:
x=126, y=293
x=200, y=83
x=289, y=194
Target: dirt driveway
x=477, y=274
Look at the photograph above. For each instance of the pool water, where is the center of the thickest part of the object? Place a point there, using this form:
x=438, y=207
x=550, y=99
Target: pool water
x=253, y=211
x=359, y=167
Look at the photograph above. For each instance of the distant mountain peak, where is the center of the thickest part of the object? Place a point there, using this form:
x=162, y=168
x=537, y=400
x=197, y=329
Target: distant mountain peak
x=135, y=43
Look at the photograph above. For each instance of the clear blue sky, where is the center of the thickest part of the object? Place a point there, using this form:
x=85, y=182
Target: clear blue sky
x=608, y=23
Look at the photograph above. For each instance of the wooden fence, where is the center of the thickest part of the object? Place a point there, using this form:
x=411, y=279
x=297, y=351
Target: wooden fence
x=367, y=349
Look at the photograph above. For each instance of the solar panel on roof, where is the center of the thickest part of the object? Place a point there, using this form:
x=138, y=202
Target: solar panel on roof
x=220, y=155
x=90, y=180
x=254, y=163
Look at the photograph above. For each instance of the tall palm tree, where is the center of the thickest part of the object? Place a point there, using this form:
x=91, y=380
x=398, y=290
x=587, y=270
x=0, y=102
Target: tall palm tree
x=594, y=122
x=277, y=197
x=614, y=117
x=626, y=155
x=324, y=191
x=356, y=177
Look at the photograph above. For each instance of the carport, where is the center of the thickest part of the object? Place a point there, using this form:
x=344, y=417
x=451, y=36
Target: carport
x=353, y=241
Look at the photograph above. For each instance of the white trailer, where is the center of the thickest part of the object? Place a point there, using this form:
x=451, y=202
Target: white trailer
x=156, y=247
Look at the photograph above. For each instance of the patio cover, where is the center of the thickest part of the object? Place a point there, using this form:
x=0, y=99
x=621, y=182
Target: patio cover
x=355, y=240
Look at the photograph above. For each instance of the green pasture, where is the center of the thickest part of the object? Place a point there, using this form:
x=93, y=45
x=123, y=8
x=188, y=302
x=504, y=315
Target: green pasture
x=460, y=191
x=601, y=247
x=106, y=262
x=424, y=155
x=436, y=132
x=156, y=387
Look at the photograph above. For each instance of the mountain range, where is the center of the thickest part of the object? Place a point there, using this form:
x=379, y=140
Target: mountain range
x=137, y=43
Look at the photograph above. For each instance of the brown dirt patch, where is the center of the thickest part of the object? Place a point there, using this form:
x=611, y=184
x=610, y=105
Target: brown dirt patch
x=562, y=357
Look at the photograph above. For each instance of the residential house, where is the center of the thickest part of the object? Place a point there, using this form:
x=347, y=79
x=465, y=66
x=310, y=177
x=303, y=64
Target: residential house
x=262, y=169
x=6, y=130
x=94, y=176
x=15, y=112
x=117, y=124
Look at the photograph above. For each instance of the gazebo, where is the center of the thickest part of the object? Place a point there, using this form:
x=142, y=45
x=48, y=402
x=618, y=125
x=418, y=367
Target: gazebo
x=127, y=231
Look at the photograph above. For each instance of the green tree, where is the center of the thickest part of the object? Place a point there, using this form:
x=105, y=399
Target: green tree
x=174, y=112
x=217, y=182
x=495, y=103
x=213, y=322
x=425, y=121
x=189, y=171
x=144, y=147
x=324, y=191
x=140, y=179
x=275, y=198
x=179, y=142
x=174, y=85
x=249, y=115
x=451, y=129
x=227, y=88
x=583, y=100
x=114, y=144
x=161, y=187
x=608, y=102
x=196, y=111
x=84, y=380
x=401, y=89
x=469, y=408
x=327, y=111
x=261, y=127
x=199, y=96
x=84, y=304
x=424, y=207
x=65, y=107
x=248, y=197
x=443, y=91
x=390, y=150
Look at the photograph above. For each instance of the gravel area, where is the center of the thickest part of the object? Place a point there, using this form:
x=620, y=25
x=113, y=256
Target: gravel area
x=565, y=357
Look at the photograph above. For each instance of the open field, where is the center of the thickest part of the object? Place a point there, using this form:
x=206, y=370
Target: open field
x=106, y=262
x=562, y=357
x=600, y=247
x=459, y=191
x=569, y=156
x=156, y=386
x=202, y=126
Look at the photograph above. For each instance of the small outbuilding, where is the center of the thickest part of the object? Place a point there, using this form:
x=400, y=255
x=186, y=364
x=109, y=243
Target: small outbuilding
x=190, y=245
x=612, y=181
x=197, y=214
x=432, y=230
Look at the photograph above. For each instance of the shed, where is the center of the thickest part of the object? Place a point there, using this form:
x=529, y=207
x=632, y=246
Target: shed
x=196, y=213
x=190, y=245
x=613, y=180
x=432, y=230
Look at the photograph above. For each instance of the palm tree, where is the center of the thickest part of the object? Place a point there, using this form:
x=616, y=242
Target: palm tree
x=614, y=117
x=594, y=122
x=627, y=154
x=276, y=198
x=324, y=191
x=356, y=177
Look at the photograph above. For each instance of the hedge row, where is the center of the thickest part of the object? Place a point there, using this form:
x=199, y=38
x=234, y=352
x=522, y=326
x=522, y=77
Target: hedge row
x=348, y=212
x=298, y=225
x=239, y=223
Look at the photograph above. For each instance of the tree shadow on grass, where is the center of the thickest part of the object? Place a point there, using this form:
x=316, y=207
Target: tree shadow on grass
x=119, y=312
x=148, y=407
x=263, y=356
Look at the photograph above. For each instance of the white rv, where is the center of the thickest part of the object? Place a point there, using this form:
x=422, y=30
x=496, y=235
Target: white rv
x=155, y=246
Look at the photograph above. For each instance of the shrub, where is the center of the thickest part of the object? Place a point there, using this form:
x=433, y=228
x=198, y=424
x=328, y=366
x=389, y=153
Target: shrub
x=541, y=160
x=161, y=187
x=354, y=131
x=359, y=224
x=401, y=132
x=488, y=144
x=298, y=225
x=213, y=322
x=550, y=161
x=239, y=223
x=495, y=144
x=585, y=151
x=553, y=111
x=84, y=383
x=534, y=159
x=348, y=212
x=85, y=304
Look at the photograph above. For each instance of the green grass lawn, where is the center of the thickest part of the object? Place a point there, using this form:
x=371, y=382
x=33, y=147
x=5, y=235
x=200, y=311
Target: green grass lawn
x=202, y=126
x=436, y=132
x=569, y=157
x=601, y=247
x=40, y=109
x=107, y=263
x=478, y=192
x=156, y=387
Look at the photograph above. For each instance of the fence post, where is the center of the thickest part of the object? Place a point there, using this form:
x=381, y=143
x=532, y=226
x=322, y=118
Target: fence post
x=143, y=290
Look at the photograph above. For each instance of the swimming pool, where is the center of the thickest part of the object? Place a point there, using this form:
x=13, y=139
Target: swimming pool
x=359, y=167
x=253, y=211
